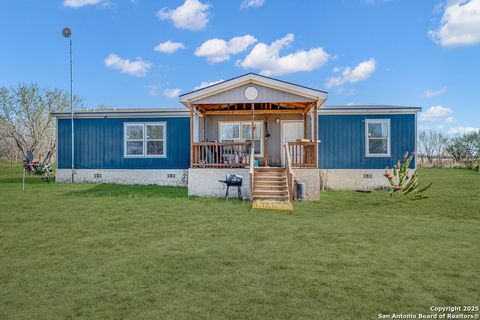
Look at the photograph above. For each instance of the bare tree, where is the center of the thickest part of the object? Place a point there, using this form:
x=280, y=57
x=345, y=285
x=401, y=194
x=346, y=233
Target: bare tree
x=431, y=145
x=425, y=147
x=25, y=118
x=8, y=150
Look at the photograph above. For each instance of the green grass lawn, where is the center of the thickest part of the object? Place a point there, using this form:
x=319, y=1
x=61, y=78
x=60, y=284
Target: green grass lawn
x=147, y=252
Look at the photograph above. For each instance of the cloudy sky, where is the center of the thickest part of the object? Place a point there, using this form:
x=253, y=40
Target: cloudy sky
x=144, y=53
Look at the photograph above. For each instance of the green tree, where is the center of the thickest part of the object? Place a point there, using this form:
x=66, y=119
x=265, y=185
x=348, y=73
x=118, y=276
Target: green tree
x=465, y=148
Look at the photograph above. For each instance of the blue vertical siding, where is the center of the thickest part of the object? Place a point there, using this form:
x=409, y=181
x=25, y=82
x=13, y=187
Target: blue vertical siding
x=343, y=141
x=99, y=144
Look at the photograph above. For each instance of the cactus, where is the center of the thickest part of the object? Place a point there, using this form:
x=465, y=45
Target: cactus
x=400, y=180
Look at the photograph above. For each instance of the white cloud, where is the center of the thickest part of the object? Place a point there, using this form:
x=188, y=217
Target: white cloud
x=459, y=25
x=252, y=4
x=361, y=72
x=219, y=50
x=191, y=15
x=463, y=130
x=169, y=46
x=207, y=84
x=153, y=90
x=138, y=67
x=171, y=93
x=436, y=113
x=423, y=128
x=434, y=93
x=80, y=3
x=450, y=120
x=267, y=58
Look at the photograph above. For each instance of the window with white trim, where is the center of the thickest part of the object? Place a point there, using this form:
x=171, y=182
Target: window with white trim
x=242, y=132
x=145, y=139
x=377, y=136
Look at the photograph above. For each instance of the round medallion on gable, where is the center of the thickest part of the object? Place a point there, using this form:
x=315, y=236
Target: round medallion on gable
x=251, y=93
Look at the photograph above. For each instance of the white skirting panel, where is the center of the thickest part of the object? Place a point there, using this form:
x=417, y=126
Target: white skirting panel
x=354, y=179
x=204, y=182
x=163, y=177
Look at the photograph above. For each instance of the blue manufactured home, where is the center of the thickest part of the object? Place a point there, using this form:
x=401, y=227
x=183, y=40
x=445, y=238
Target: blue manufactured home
x=268, y=131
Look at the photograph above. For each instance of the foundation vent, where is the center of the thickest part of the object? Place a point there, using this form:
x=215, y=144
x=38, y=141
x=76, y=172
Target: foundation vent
x=97, y=176
x=367, y=176
x=170, y=175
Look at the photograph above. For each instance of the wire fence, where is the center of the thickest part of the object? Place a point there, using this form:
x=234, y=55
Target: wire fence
x=439, y=162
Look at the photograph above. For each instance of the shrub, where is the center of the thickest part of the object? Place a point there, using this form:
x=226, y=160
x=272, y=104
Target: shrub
x=400, y=180
x=466, y=149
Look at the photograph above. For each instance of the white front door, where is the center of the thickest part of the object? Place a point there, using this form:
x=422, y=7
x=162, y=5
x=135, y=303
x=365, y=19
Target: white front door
x=291, y=131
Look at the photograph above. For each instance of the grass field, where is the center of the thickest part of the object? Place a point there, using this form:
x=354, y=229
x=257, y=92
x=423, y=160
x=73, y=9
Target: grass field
x=148, y=252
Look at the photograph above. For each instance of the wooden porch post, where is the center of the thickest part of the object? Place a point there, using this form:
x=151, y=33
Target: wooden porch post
x=253, y=127
x=315, y=134
x=204, y=120
x=305, y=125
x=205, y=123
x=191, y=136
x=265, y=142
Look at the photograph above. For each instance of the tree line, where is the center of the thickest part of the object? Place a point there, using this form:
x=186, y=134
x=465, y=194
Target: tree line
x=438, y=149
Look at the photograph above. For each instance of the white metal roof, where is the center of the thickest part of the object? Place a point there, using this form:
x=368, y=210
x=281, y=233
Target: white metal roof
x=124, y=113
x=368, y=109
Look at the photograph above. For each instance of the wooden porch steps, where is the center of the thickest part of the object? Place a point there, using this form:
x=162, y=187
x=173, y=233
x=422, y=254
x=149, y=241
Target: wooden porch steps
x=270, y=189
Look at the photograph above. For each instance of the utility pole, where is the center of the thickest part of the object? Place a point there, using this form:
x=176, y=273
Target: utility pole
x=67, y=33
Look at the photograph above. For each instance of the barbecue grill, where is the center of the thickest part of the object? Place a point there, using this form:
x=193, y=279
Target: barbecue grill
x=232, y=180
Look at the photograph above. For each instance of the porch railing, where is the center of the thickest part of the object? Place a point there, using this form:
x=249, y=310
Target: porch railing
x=289, y=170
x=221, y=154
x=252, y=171
x=302, y=154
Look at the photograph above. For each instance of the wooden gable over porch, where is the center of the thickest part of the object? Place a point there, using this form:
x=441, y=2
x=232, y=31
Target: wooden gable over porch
x=269, y=91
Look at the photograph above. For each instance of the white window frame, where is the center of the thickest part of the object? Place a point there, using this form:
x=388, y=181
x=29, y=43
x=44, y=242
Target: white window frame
x=125, y=140
x=257, y=124
x=145, y=139
x=367, y=138
x=220, y=123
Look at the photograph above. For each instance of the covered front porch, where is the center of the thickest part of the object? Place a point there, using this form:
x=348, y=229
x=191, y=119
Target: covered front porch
x=254, y=122
x=222, y=135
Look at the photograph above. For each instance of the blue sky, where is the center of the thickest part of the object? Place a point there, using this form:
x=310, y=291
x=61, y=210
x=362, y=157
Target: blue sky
x=422, y=53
